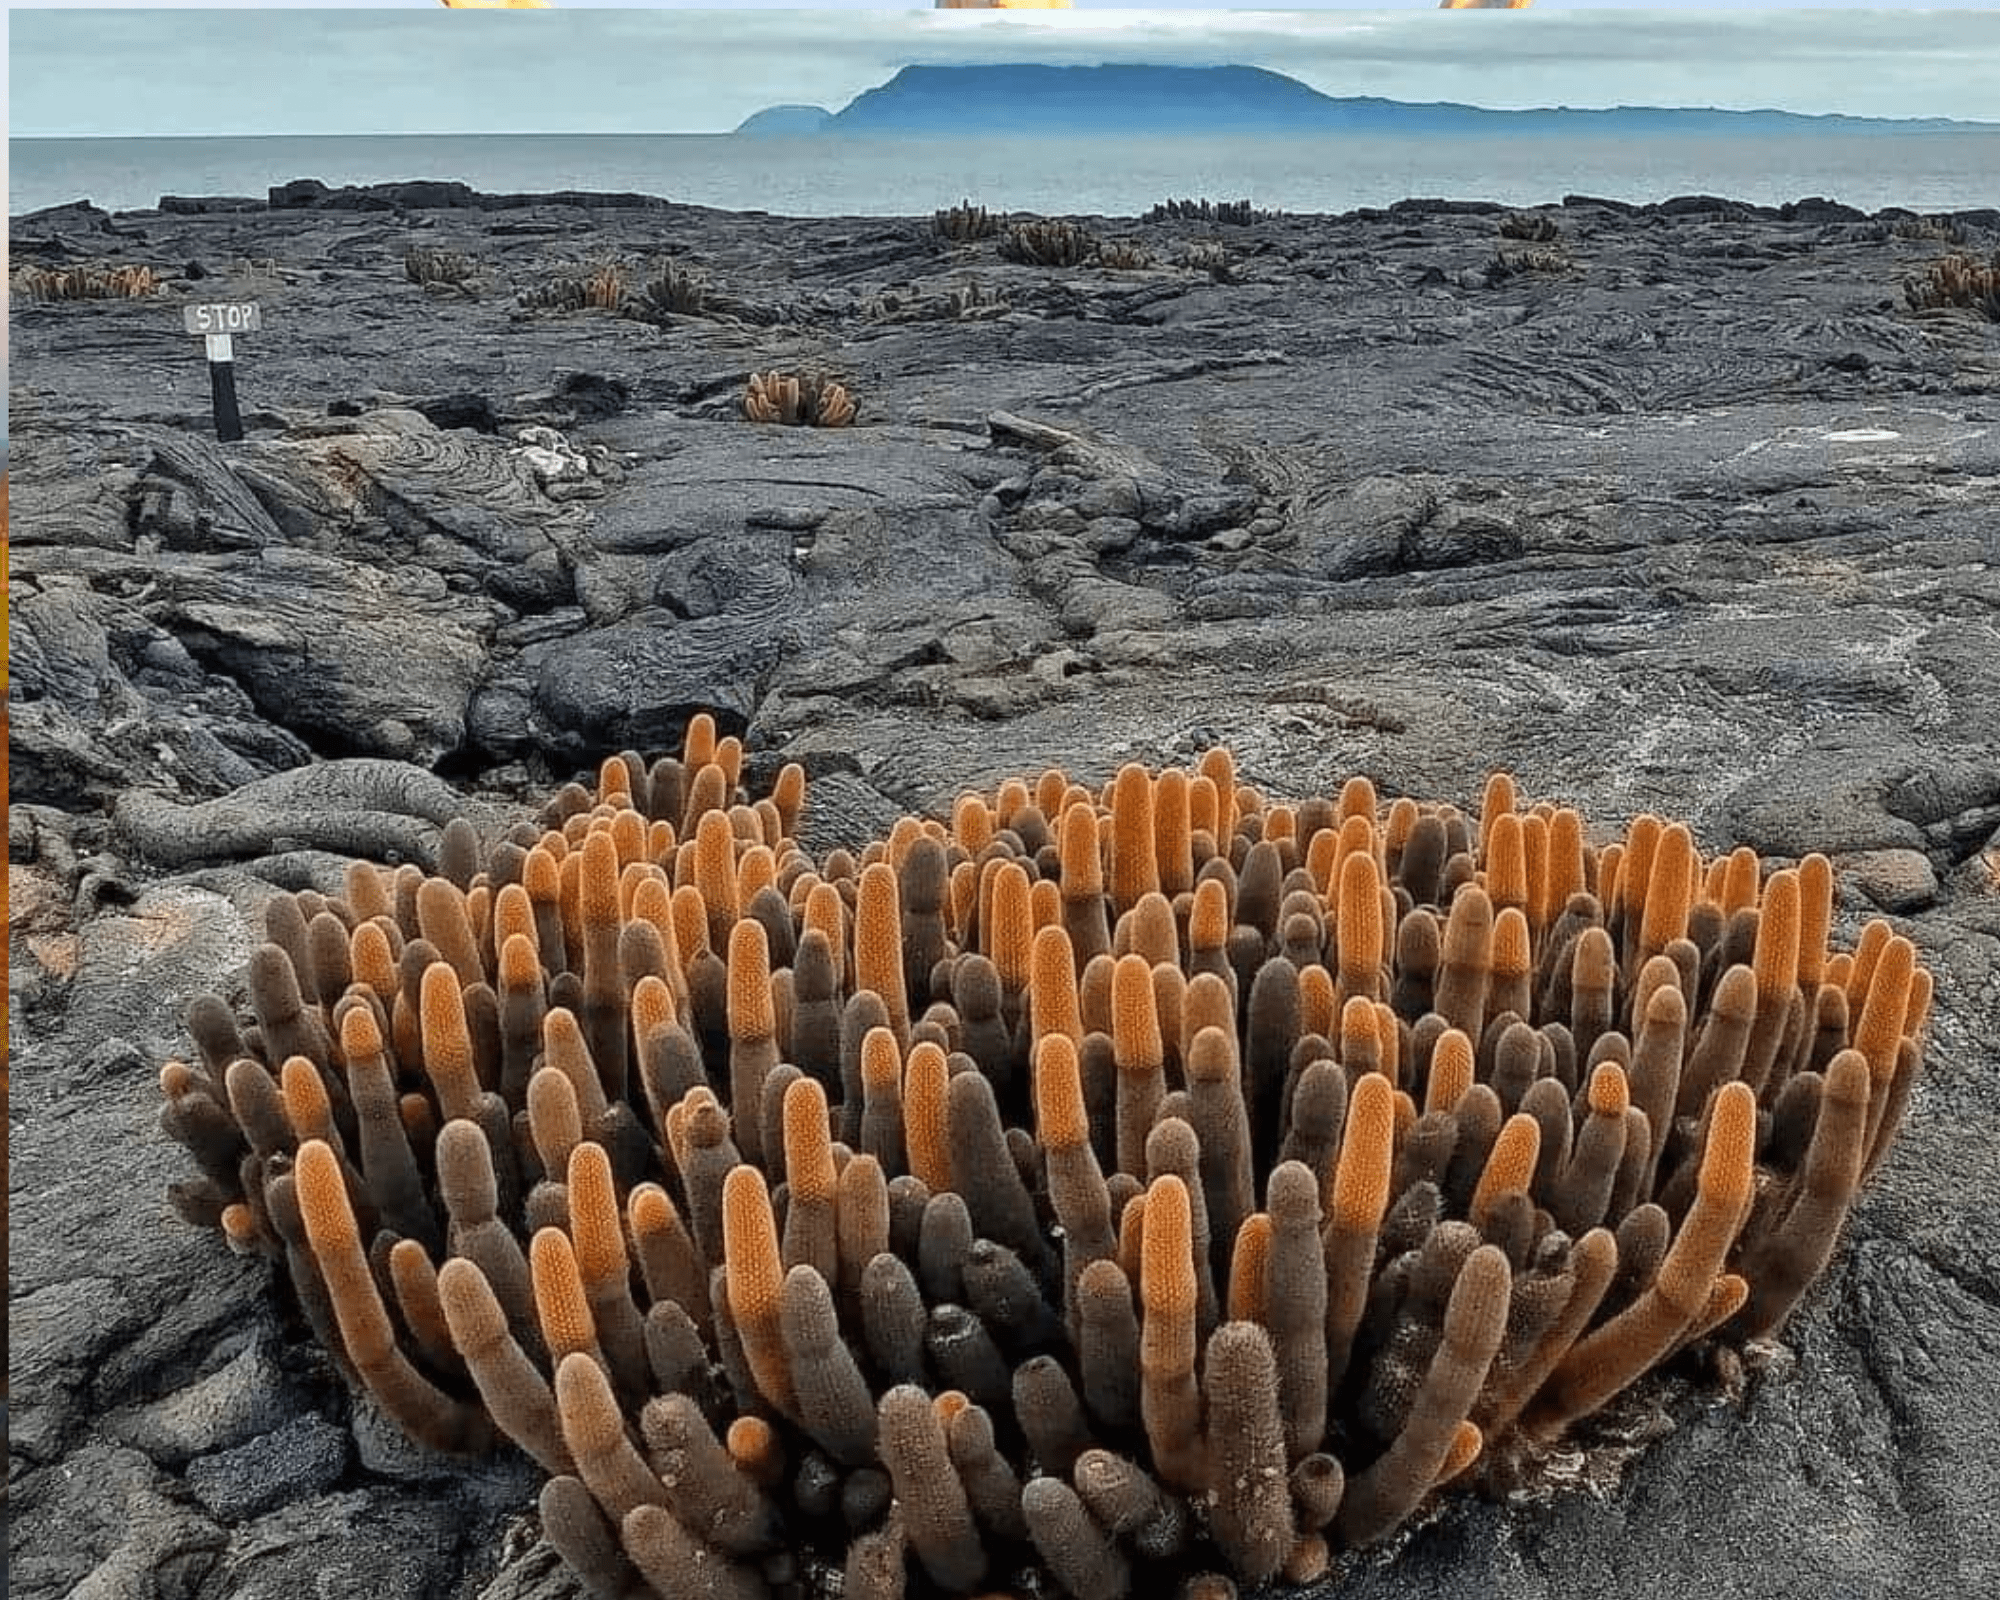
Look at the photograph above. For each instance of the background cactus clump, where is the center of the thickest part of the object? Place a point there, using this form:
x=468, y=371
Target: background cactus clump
x=601, y=288
x=966, y=301
x=604, y=288
x=1047, y=242
x=1209, y=256
x=1114, y=1183
x=1530, y=227
x=673, y=291
x=1122, y=256
x=1957, y=280
x=87, y=282
x=964, y=223
x=426, y=265
x=1236, y=213
x=1512, y=263
x=1928, y=230
x=972, y=301
x=808, y=400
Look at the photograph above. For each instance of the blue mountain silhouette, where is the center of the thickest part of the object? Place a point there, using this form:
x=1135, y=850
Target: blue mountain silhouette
x=1125, y=99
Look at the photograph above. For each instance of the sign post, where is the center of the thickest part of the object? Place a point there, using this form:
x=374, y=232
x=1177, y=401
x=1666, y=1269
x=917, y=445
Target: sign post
x=216, y=324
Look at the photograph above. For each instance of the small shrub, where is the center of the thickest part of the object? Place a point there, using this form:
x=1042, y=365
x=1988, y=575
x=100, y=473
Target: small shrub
x=807, y=400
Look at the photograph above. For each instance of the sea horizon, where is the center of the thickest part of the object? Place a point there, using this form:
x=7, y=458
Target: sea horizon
x=854, y=175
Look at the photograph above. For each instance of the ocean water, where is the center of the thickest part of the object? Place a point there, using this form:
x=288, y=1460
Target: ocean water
x=1108, y=176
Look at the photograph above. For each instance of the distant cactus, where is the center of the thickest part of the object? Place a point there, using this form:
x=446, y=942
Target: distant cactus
x=1528, y=226
x=969, y=301
x=1929, y=230
x=809, y=401
x=1205, y=255
x=1122, y=257
x=1957, y=280
x=86, y=283
x=604, y=288
x=255, y=267
x=426, y=265
x=558, y=294
x=1237, y=213
x=671, y=290
x=1048, y=244
x=964, y=223
x=1505, y=265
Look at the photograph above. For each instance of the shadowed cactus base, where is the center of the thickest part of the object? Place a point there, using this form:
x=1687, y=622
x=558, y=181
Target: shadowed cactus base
x=1144, y=1183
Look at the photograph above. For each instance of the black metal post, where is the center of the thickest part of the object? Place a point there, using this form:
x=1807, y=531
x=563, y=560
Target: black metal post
x=222, y=386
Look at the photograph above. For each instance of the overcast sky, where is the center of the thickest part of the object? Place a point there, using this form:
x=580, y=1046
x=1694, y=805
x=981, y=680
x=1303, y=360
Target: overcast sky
x=417, y=68
x=1081, y=5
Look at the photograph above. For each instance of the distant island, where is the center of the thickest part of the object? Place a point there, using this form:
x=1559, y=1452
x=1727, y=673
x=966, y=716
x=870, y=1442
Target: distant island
x=788, y=120
x=1128, y=99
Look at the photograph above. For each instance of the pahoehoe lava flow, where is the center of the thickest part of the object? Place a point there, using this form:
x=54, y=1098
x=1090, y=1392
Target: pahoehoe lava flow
x=1680, y=509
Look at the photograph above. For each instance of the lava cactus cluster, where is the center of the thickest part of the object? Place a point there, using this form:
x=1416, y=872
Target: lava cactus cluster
x=1129, y=1190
